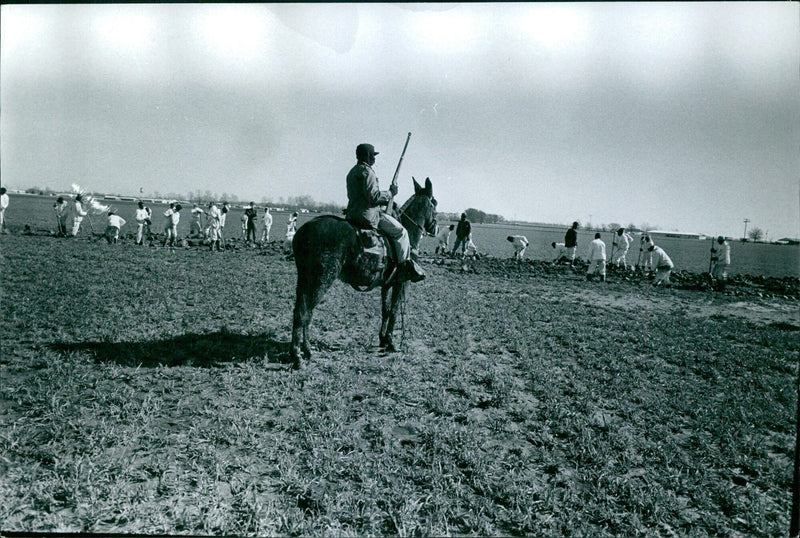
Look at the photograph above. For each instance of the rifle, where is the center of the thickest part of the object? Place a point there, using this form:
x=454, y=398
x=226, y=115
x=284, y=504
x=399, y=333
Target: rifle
x=397, y=173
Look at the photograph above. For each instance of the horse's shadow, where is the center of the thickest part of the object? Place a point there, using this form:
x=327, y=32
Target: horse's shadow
x=198, y=350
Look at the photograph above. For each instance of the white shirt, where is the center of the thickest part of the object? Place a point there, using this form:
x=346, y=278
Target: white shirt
x=723, y=253
x=268, y=219
x=196, y=212
x=60, y=209
x=116, y=221
x=660, y=259
x=623, y=242
x=214, y=213
x=79, y=212
x=223, y=216
x=141, y=215
x=176, y=217
x=519, y=241
x=444, y=235
x=3, y=201
x=598, y=251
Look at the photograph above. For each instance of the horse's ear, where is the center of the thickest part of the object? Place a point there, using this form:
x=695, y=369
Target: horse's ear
x=428, y=186
x=417, y=186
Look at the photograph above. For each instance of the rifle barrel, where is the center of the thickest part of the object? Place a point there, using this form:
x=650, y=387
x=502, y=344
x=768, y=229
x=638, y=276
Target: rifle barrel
x=397, y=171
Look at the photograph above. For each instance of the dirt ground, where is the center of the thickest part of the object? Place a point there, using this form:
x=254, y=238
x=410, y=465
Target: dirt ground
x=148, y=390
x=759, y=300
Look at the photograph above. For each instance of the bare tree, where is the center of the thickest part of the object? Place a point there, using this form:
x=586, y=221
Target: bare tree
x=756, y=234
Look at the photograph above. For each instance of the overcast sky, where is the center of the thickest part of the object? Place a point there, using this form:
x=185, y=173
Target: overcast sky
x=685, y=115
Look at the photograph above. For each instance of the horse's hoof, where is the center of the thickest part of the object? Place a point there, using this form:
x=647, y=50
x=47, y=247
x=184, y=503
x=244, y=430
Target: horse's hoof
x=295, y=355
x=306, y=353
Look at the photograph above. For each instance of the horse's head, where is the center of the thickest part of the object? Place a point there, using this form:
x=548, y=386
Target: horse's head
x=418, y=214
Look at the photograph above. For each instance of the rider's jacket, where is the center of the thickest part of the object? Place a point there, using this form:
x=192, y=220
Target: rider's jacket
x=364, y=196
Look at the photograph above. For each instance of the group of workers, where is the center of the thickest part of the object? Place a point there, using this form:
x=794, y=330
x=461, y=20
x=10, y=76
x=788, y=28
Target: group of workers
x=651, y=256
x=206, y=224
x=209, y=225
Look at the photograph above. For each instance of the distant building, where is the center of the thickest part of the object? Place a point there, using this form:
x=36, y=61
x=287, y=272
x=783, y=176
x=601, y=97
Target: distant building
x=787, y=241
x=675, y=235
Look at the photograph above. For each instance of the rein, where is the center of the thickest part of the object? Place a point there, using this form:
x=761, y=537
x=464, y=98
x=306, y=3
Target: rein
x=402, y=213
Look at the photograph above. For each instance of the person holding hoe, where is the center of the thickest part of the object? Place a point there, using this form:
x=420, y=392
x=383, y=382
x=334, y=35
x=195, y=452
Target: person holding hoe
x=141, y=216
x=571, y=243
x=520, y=243
x=252, y=216
x=115, y=223
x=77, y=215
x=463, y=231
x=597, y=257
x=621, y=245
x=720, y=260
x=267, y=226
x=61, y=209
x=663, y=265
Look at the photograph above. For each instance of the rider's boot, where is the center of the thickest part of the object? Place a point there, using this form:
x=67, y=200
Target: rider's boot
x=412, y=271
x=408, y=270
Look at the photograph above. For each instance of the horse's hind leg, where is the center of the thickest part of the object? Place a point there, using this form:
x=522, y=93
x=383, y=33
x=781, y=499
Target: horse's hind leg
x=300, y=321
x=311, y=286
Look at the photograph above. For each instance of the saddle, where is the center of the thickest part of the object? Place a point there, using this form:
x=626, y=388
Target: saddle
x=375, y=257
x=374, y=243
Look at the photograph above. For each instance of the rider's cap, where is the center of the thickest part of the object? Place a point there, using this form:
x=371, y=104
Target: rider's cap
x=363, y=151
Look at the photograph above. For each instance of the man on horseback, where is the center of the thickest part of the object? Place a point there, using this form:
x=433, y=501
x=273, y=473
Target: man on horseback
x=364, y=210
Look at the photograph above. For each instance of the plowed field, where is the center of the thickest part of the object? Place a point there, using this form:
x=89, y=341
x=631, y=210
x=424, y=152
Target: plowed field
x=147, y=390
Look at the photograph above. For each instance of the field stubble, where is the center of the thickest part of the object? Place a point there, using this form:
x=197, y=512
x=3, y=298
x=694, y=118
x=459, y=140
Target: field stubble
x=146, y=390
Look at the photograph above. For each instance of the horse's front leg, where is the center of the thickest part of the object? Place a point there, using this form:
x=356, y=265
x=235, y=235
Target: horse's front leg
x=384, y=318
x=388, y=314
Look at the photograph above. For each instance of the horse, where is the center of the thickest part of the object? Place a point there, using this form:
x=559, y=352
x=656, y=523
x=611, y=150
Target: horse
x=328, y=247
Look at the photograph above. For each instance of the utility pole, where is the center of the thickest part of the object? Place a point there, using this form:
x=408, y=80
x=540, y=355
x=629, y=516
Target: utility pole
x=746, y=220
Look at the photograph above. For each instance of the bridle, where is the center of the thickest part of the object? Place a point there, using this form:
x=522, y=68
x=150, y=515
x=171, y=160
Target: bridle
x=404, y=215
